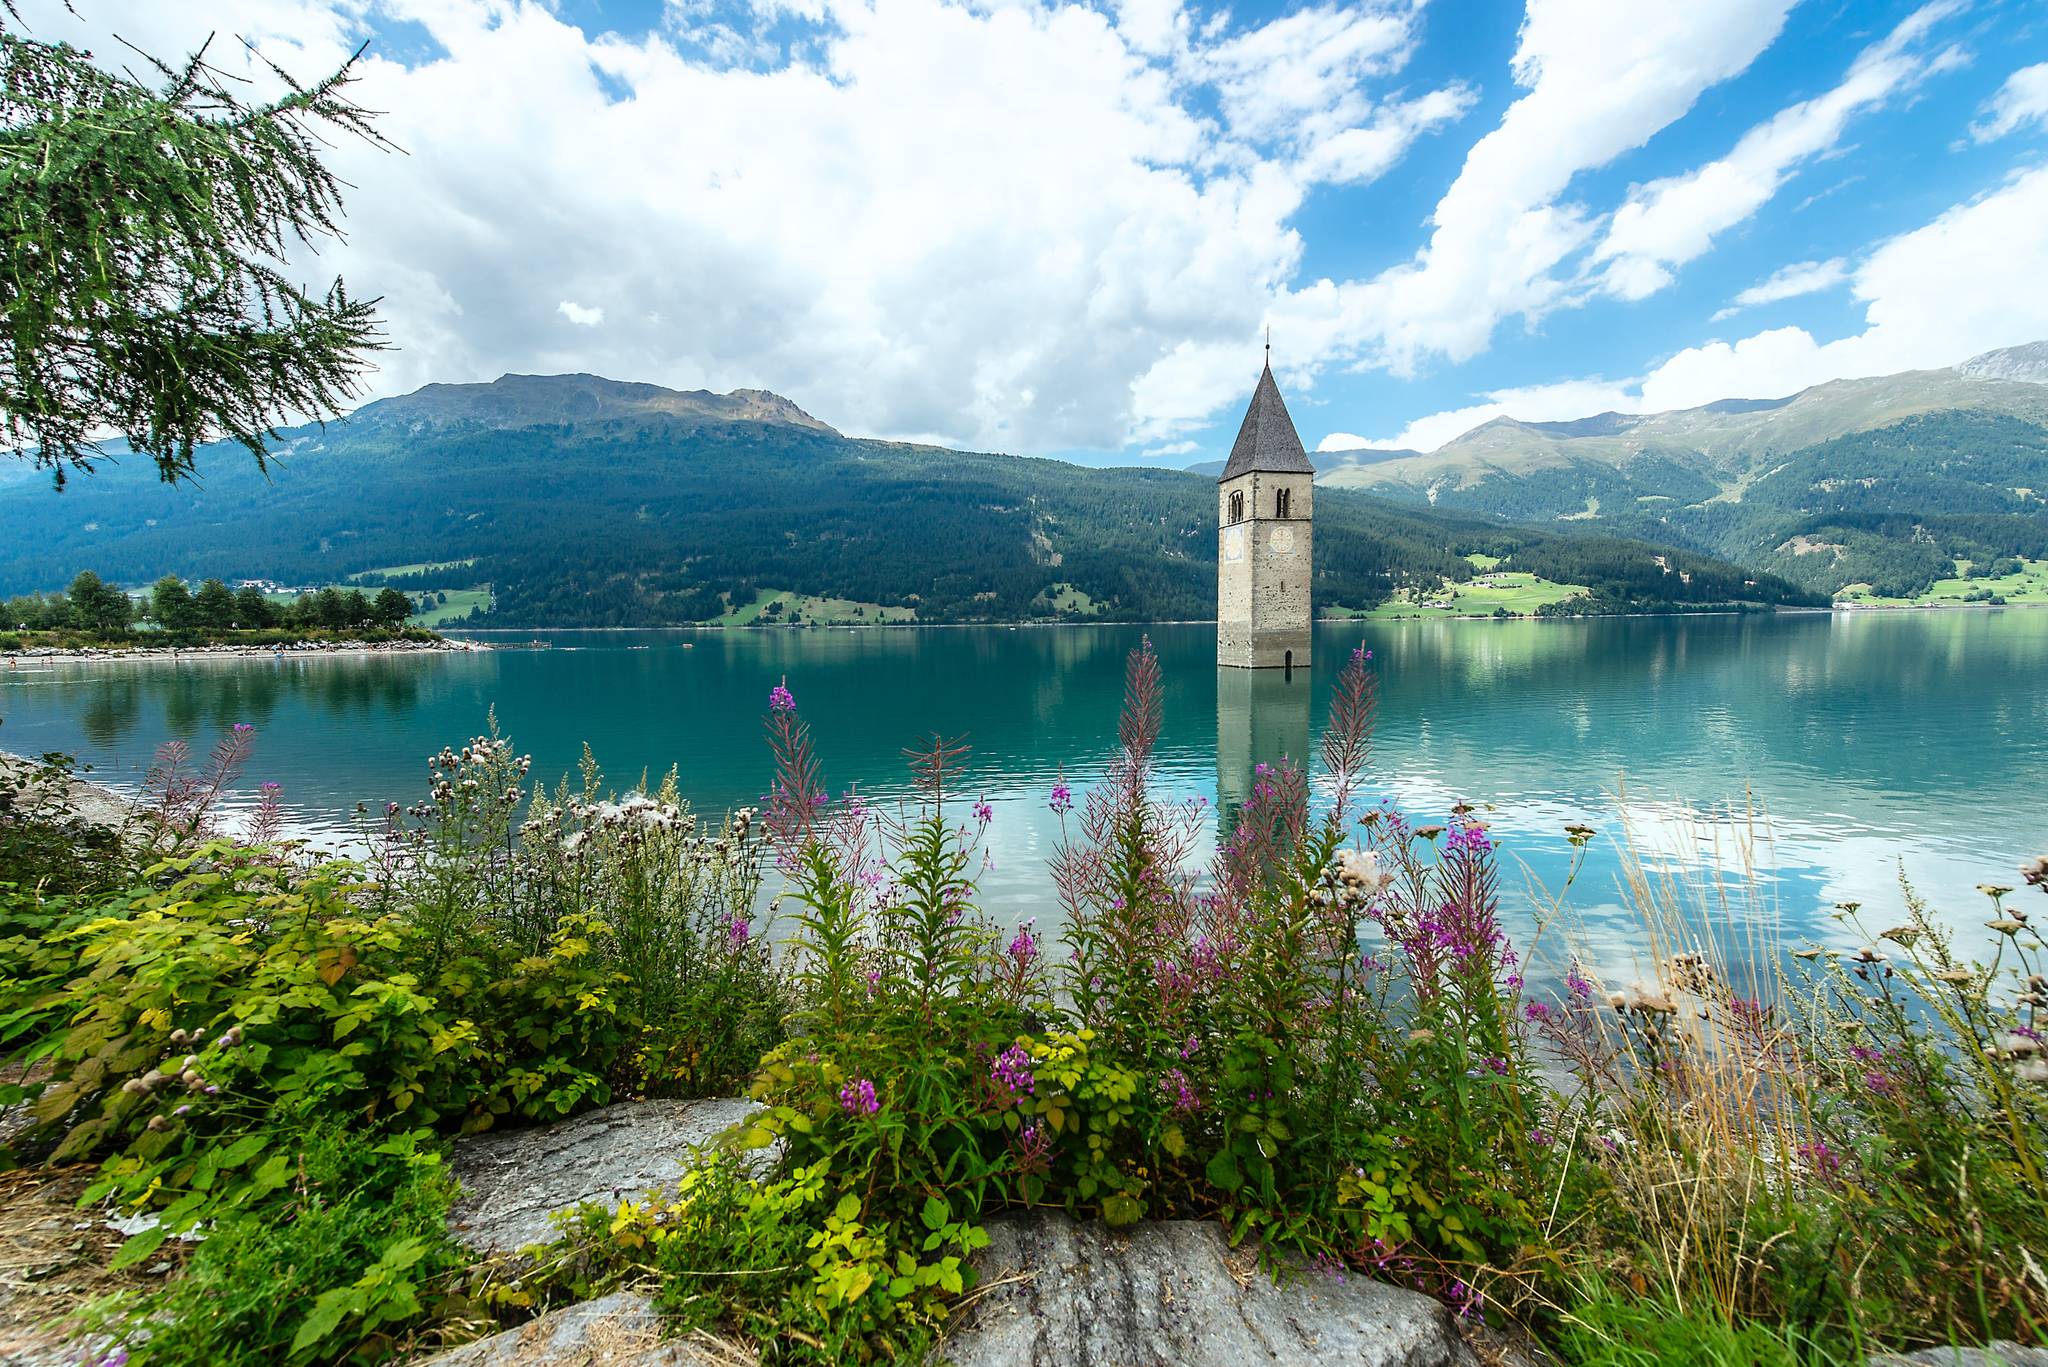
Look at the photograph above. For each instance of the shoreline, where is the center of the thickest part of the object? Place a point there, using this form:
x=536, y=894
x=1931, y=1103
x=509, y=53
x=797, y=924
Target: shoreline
x=91, y=802
x=472, y=640
x=238, y=651
x=713, y=628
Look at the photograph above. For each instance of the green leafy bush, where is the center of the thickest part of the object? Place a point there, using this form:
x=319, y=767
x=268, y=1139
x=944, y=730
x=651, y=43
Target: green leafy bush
x=199, y=1008
x=348, y=1261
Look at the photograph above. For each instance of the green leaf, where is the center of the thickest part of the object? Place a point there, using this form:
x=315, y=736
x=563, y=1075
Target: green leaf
x=325, y=1317
x=273, y=1174
x=243, y=1149
x=138, y=1248
x=935, y=1213
x=1223, y=1171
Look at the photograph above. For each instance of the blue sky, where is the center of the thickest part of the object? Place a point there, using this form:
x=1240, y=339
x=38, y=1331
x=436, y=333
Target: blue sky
x=1061, y=229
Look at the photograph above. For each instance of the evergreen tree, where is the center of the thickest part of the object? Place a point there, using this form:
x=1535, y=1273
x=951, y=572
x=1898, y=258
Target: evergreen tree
x=171, y=604
x=214, y=605
x=139, y=231
x=391, y=608
x=99, y=606
x=252, y=610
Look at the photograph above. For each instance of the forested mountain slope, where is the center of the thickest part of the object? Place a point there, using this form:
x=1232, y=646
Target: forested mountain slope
x=585, y=502
x=1884, y=482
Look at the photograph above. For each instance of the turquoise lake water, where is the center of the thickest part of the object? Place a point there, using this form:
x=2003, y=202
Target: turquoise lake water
x=1866, y=743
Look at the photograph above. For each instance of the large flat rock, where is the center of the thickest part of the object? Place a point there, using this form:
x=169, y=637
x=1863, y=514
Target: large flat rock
x=513, y=1180
x=1997, y=1354
x=1062, y=1294
x=619, y=1330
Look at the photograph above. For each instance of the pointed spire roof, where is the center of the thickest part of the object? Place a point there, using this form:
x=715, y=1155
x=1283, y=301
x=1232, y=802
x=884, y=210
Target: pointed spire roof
x=1267, y=440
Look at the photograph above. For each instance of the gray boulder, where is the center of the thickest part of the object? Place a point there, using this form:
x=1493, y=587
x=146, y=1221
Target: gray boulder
x=619, y=1330
x=513, y=1180
x=1060, y=1294
x=1998, y=1353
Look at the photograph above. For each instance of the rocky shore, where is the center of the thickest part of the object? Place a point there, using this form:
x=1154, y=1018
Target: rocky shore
x=209, y=652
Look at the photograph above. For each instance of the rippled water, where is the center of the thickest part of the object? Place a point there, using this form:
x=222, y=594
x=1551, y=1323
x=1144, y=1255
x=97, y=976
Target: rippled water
x=1869, y=743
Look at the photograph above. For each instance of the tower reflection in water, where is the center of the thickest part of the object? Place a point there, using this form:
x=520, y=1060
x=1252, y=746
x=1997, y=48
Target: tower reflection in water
x=1261, y=716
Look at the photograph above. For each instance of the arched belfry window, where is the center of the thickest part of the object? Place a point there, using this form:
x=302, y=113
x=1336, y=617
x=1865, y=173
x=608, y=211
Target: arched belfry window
x=1280, y=503
x=1237, y=506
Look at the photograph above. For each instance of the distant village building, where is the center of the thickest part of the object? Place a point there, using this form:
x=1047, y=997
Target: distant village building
x=1265, y=551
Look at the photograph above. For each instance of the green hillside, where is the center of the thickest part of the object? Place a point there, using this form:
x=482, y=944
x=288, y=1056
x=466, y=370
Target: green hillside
x=1871, y=488
x=596, y=508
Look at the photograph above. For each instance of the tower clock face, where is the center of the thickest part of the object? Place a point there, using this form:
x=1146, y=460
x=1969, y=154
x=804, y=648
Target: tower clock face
x=1282, y=539
x=1233, y=543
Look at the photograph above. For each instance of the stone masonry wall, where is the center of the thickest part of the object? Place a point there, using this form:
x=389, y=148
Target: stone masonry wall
x=1264, y=569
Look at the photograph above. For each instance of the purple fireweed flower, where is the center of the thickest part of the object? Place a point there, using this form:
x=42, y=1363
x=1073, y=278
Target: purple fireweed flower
x=1468, y=836
x=780, y=699
x=1824, y=1160
x=1191, y=1047
x=858, y=1097
x=1033, y=1147
x=1024, y=947
x=1174, y=1083
x=1497, y=1066
x=983, y=813
x=1062, y=797
x=737, y=931
x=243, y=728
x=1012, y=1071
x=1538, y=1012
x=1577, y=983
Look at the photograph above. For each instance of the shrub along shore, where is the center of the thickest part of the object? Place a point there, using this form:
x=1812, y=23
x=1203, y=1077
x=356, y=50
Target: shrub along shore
x=1322, y=1039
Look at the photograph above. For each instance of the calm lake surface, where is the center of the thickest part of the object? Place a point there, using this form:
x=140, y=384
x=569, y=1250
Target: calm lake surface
x=1869, y=744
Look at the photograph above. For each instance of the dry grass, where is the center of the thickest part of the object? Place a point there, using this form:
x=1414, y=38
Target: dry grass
x=53, y=1262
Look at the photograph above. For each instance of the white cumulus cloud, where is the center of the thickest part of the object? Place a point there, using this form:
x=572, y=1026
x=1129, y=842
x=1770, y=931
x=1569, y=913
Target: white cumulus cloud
x=979, y=223
x=1789, y=282
x=1600, y=80
x=1931, y=297
x=1672, y=221
x=2021, y=101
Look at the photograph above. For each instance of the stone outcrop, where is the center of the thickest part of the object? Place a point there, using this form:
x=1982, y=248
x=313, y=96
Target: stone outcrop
x=513, y=1180
x=1056, y=1293
x=1053, y=1292
x=619, y=1330
x=1996, y=1354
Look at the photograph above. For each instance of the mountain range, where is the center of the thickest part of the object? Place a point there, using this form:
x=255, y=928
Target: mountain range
x=1878, y=484
x=585, y=501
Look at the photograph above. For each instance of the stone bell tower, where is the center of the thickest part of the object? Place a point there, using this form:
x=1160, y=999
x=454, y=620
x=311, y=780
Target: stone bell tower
x=1265, y=549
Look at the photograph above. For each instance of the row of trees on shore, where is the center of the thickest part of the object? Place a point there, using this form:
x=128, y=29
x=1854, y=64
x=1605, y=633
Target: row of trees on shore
x=96, y=607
